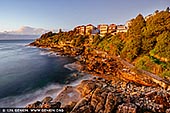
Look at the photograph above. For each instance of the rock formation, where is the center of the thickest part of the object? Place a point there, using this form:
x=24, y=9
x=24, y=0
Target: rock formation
x=101, y=96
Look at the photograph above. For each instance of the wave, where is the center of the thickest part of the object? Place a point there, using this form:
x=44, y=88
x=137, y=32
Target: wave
x=72, y=66
x=45, y=53
x=28, y=46
x=23, y=100
x=21, y=44
x=51, y=90
x=49, y=53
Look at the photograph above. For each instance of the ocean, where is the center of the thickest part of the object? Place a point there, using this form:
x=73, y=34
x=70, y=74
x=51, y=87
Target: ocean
x=28, y=74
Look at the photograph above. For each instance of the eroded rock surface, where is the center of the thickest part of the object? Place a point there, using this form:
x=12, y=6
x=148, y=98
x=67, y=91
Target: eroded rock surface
x=101, y=96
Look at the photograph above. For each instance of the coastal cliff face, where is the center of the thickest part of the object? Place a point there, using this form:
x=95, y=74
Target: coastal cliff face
x=117, y=90
x=121, y=87
x=120, y=90
x=100, y=63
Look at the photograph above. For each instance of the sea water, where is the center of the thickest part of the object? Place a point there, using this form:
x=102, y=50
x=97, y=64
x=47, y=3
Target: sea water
x=29, y=73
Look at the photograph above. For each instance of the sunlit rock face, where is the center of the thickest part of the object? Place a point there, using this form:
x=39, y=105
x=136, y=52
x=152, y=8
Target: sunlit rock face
x=99, y=95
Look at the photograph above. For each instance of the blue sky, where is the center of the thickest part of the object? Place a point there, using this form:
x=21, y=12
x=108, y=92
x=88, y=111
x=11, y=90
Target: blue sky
x=66, y=14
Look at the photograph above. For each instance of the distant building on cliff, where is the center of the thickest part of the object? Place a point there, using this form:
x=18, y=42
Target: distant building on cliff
x=103, y=29
x=112, y=28
x=89, y=29
x=81, y=29
x=77, y=29
x=86, y=30
x=121, y=28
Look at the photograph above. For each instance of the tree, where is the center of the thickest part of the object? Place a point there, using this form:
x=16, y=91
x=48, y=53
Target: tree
x=136, y=26
x=132, y=48
x=157, y=24
x=162, y=48
x=133, y=43
x=167, y=9
x=148, y=43
x=157, y=11
x=60, y=30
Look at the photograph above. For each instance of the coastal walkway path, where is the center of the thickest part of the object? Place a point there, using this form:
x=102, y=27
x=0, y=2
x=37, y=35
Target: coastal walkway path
x=130, y=66
x=144, y=72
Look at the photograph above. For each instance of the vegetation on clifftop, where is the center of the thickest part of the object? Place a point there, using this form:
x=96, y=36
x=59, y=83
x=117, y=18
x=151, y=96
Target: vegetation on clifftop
x=146, y=43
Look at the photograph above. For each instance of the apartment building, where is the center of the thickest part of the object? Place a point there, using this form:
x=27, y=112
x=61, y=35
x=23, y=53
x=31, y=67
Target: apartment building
x=103, y=29
x=112, y=28
x=81, y=29
x=121, y=28
x=89, y=29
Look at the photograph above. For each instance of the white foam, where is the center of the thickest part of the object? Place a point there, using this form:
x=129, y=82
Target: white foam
x=44, y=53
x=21, y=44
x=51, y=90
x=49, y=53
x=23, y=100
x=72, y=66
x=30, y=46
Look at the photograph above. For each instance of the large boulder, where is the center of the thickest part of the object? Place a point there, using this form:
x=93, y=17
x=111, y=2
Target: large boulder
x=47, y=100
x=85, y=87
x=36, y=104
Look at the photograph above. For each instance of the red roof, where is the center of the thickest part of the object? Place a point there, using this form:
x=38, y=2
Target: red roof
x=89, y=25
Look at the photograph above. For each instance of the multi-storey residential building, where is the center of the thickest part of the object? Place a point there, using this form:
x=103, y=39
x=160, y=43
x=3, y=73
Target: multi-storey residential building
x=112, y=28
x=89, y=29
x=103, y=29
x=121, y=28
x=77, y=29
x=81, y=29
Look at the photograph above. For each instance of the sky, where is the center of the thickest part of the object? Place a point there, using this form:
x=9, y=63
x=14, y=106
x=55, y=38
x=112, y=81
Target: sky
x=66, y=14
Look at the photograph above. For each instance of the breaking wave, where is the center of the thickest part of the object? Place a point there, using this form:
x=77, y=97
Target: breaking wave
x=72, y=66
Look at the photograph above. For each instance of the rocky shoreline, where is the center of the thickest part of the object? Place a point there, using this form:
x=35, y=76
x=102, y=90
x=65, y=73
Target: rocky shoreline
x=115, y=89
x=102, y=64
x=98, y=95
